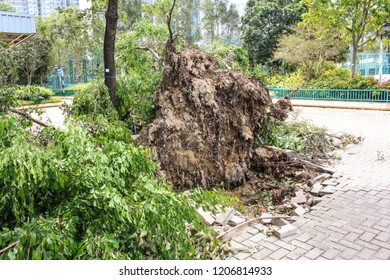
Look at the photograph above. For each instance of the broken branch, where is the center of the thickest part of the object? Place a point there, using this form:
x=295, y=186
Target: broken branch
x=27, y=116
x=9, y=247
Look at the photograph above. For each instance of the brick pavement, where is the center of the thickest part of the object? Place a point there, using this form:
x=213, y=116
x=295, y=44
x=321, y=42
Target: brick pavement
x=353, y=222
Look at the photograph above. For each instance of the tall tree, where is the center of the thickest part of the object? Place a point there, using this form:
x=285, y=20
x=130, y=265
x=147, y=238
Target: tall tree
x=358, y=19
x=33, y=59
x=68, y=31
x=214, y=14
x=109, y=49
x=264, y=22
x=310, y=52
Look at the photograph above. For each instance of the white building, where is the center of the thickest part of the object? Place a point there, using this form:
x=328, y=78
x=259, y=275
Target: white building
x=41, y=8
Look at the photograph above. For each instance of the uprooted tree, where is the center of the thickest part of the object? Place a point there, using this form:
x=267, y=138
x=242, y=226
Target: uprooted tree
x=206, y=120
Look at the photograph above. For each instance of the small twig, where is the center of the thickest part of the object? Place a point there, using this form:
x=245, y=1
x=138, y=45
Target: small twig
x=251, y=221
x=27, y=116
x=9, y=247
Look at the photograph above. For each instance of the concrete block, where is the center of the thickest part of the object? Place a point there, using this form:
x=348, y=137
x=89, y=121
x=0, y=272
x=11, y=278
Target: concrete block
x=299, y=211
x=319, y=178
x=285, y=231
x=235, y=220
x=327, y=190
x=224, y=217
x=206, y=216
x=266, y=221
x=299, y=198
x=316, y=188
x=329, y=183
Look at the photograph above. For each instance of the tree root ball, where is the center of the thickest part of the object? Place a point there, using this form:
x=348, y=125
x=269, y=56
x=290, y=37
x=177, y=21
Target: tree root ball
x=205, y=123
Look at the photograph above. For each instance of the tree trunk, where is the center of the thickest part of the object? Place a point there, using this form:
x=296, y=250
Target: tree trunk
x=109, y=49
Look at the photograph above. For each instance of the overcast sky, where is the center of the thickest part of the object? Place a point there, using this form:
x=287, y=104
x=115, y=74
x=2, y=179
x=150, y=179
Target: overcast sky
x=240, y=4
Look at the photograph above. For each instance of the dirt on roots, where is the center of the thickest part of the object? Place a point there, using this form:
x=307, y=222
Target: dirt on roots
x=206, y=120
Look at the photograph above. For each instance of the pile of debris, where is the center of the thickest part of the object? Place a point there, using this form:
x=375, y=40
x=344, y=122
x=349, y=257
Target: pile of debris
x=228, y=221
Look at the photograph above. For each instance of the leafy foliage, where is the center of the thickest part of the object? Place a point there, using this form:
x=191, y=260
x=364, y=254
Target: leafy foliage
x=357, y=20
x=265, y=21
x=309, y=51
x=64, y=195
x=301, y=136
x=92, y=101
x=339, y=78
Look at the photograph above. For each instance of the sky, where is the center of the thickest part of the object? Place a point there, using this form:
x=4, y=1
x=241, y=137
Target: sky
x=240, y=4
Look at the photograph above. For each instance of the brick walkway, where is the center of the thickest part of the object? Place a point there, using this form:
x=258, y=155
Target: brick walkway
x=353, y=222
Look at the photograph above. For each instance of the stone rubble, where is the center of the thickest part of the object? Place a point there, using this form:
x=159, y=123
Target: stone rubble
x=304, y=200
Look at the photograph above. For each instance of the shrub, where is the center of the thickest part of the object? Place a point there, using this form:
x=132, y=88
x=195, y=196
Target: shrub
x=33, y=93
x=339, y=78
x=92, y=101
x=135, y=99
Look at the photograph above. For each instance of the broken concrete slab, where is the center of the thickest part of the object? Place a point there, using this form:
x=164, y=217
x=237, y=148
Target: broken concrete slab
x=223, y=217
x=299, y=211
x=235, y=220
x=330, y=183
x=317, y=187
x=285, y=231
x=266, y=221
x=328, y=190
x=206, y=216
x=299, y=198
x=319, y=178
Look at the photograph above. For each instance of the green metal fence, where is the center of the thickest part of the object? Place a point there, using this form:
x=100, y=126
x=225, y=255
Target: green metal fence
x=333, y=94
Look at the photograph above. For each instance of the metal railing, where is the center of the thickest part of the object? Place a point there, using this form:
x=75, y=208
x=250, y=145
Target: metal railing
x=333, y=94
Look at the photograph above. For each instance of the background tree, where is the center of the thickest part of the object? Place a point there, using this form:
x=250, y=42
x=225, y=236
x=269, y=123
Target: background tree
x=33, y=60
x=264, y=22
x=8, y=68
x=7, y=7
x=68, y=31
x=358, y=19
x=305, y=49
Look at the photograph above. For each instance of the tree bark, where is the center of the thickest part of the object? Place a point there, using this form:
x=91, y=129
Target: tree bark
x=109, y=49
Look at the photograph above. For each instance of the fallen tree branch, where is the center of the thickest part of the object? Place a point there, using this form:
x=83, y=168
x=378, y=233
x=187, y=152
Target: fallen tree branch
x=306, y=163
x=27, y=116
x=151, y=51
x=9, y=247
x=251, y=221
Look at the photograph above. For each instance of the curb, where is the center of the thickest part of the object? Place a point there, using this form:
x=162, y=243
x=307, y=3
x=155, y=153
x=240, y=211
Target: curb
x=341, y=104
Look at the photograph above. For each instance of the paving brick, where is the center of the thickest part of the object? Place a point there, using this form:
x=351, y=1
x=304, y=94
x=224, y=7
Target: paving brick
x=256, y=238
x=331, y=253
x=279, y=254
x=301, y=244
x=296, y=254
x=262, y=254
x=382, y=254
x=383, y=236
x=366, y=254
x=314, y=253
x=285, y=245
x=348, y=253
x=367, y=236
x=242, y=255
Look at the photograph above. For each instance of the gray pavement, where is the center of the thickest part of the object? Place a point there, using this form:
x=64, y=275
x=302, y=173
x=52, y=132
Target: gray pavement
x=354, y=221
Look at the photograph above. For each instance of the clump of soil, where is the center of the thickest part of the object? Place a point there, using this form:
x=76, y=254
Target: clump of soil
x=205, y=122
